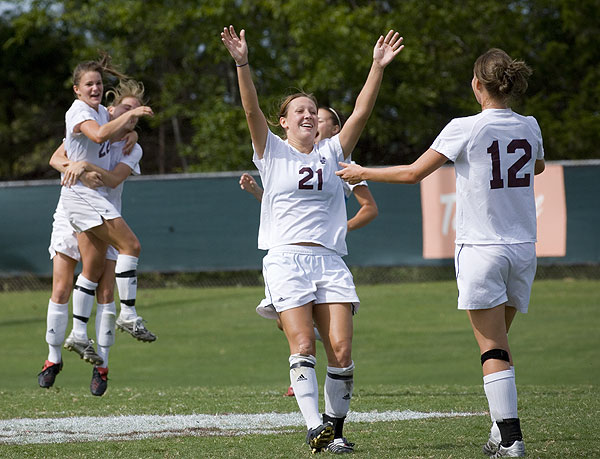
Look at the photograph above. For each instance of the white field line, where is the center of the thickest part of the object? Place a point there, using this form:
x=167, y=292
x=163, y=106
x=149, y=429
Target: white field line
x=82, y=429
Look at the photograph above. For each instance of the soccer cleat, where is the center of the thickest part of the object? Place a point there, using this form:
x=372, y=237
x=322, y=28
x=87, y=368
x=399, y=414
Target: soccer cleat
x=517, y=449
x=340, y=446
x=99, y=381
x=319, y=437
x=135, y=327
x=290, y=392
x=84, y=348
x=48, y=374
x=491, y=447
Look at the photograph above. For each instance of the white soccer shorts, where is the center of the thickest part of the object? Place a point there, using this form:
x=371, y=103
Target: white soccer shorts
x=63, y=238
x=296, y=275
x=490, y=275
x=87, y=209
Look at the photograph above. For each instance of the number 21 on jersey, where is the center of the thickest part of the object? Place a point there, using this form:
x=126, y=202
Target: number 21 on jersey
x=307, y=174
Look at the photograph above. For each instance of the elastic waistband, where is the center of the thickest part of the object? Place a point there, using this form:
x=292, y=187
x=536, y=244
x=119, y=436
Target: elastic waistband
x=303, y=249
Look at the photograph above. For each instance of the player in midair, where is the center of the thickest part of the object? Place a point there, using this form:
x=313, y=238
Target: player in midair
x=303, y=227
x=65, y=250
x=496, y=154
x=97, y=222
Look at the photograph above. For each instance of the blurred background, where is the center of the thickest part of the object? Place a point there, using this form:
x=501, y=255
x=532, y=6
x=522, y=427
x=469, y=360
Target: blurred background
x=188, y=221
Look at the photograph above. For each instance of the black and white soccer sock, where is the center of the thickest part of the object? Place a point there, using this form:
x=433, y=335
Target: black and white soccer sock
x=339, y=385
x=126, y=278
x=501, y=392
x=57, y=320
x=83, y=302
x=495, y=431
x=105, y=329
x=304, y=382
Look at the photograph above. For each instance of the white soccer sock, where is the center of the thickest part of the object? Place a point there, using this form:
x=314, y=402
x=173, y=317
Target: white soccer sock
x=57, y=320
x=339, y=384
x=126, y=278
x=501, y=392
x=83, y=302
x=304, y=382
x=103, y=352
x=105, y=324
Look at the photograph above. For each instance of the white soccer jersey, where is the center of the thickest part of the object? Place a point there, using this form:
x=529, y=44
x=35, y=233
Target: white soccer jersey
x=132, y=160
x=79, y=147
x=494, y=154
x=303, y=200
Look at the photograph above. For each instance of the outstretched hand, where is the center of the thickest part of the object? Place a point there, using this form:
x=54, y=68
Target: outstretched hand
x=237, y=46
x=387, y=48
x=350, y=173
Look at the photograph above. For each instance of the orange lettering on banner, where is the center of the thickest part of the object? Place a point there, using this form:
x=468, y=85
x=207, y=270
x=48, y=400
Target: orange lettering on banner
x=438, y=207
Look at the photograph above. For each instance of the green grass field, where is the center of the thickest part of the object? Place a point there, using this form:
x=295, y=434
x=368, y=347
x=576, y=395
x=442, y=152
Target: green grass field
x=413, y=351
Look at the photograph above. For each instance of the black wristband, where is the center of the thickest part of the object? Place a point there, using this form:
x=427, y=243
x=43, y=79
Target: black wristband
x=241, y=65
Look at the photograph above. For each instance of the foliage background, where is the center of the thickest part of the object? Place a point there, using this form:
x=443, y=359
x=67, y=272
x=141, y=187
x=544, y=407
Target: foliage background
x=322, y=47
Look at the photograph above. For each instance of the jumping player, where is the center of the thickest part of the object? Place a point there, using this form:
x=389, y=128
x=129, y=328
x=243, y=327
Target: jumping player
x=496, y=154
x=303, y=227
x=65, y=254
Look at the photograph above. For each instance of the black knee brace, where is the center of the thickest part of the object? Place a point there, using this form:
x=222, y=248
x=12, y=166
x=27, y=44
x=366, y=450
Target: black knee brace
x=498, y=354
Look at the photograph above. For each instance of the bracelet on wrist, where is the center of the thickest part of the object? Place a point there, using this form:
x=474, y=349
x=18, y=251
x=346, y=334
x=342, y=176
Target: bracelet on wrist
x=242, y=65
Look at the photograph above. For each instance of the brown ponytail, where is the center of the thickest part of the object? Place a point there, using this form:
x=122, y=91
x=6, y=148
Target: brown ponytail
x=504, y=78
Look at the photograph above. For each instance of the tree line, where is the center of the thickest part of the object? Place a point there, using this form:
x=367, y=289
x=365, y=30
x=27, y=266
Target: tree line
x=322, y=47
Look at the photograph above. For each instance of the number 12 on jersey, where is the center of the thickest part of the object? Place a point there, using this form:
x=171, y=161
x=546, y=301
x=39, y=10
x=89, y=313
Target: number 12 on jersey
x=513, y=181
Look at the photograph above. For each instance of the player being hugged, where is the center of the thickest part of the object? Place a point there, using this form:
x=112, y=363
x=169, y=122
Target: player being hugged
x=496, y=154
x=94, y=217
x=303, y=227
x=125, y=156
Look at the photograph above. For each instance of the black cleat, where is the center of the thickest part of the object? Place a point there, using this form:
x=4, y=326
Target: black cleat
x=48, y=374
x=319, y=437
x=99, y=381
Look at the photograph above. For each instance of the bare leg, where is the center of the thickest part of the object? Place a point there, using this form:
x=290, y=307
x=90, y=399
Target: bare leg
x=334, y=322
x=117, y=233
x=489, y=327
x=63, y=269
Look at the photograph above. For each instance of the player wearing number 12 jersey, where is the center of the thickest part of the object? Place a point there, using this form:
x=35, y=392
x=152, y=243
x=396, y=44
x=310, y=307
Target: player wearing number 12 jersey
x=496, y=154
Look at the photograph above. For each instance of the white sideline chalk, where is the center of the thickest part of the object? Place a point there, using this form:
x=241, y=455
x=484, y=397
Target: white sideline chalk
x=84, y=429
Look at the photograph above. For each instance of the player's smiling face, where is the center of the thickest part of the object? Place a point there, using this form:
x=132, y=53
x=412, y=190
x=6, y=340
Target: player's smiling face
x=90, y=89
x=301, y=121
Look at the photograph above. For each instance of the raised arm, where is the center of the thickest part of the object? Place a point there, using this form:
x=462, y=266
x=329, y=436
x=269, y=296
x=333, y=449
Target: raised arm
x=427, y=163
x=386, y=49
x=368, y=208
x=113, y=129
x=257, y=123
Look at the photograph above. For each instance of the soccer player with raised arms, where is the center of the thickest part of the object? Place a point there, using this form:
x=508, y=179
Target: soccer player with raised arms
x=303, y=227
x=496, y=154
